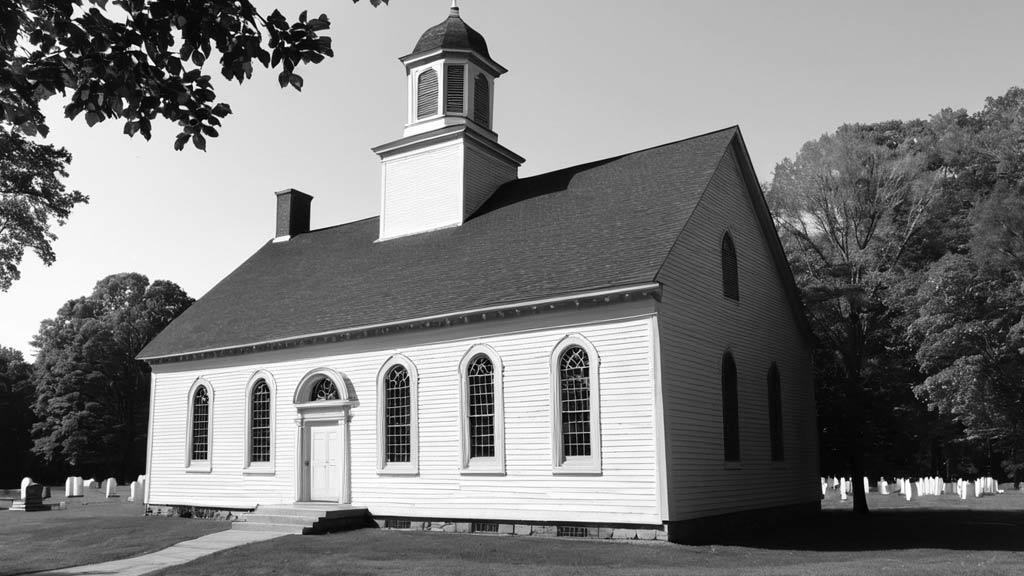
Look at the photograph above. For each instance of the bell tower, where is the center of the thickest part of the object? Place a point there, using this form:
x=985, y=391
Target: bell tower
x=449, y=161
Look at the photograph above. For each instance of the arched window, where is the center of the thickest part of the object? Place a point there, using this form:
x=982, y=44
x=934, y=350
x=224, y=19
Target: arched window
x=259, y=428
x=482, y=101
x=199, y=427
x=398, y=394
x=775, y=413
x=576, y=411
x=483, y=427
x=397, y=428
x=730, y=409
x=455, y=88
x=323, y=389
x=730, y=272
x=200, y=424
x=426, y=94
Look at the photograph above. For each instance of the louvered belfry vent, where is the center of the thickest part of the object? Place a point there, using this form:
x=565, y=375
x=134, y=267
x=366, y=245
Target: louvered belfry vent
x=482, y=101
x=455, y=89
x=426, y=95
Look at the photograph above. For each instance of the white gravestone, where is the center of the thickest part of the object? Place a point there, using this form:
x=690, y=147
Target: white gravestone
x=25, y=483
x=883, y=487
x=79, y=487
x=111, y=488
x=133, y=491
x=842, y=488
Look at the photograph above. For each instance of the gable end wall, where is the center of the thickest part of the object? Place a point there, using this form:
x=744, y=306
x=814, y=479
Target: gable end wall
x=697, y=324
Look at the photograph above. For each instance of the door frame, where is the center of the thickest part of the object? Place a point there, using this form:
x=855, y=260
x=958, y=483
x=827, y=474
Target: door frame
x=308, y=414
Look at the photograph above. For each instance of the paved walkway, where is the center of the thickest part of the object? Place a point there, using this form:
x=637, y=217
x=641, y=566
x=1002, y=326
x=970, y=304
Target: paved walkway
x=180, y=553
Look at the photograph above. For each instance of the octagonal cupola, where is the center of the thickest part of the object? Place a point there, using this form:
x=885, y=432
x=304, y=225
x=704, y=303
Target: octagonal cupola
x=449, y=161
x=450, y=78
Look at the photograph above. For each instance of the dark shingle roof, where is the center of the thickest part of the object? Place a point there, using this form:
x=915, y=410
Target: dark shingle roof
x=452, y=34
x=599, y=225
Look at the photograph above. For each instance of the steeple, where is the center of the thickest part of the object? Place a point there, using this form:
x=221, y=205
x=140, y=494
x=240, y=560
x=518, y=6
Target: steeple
x=449, y=160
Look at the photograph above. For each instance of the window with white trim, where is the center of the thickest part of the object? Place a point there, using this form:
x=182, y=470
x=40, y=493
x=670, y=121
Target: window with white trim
x=259, y=424
x=483, y=415
x=323, y=390
x=482, y=101
x=200, y=424
x=576, y=414
x=199, y=427
x=397, y=427
x=455, y=88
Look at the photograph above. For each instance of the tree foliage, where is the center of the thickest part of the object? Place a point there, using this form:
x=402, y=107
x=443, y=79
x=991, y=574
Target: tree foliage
x=92, y=395
x=32, y=199
x=16, y=393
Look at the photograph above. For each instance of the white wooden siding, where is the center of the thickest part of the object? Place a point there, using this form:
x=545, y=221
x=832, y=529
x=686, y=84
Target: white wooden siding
x=627, y=491
x=484, y=173
x=422, y=191
x=697, y=324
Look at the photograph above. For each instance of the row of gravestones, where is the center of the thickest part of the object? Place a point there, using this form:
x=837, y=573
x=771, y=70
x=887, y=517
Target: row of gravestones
x=934, y=486
x=74, y=487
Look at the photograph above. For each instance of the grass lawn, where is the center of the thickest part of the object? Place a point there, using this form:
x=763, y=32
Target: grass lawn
x=934, y=535
x=92, y=529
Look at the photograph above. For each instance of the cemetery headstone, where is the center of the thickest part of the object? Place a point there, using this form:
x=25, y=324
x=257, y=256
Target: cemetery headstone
x=111, y=488
x=133, y=491
x=31, y=499
x=25, y=483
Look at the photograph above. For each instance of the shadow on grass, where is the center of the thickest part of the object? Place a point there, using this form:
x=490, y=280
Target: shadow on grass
x=842, y=530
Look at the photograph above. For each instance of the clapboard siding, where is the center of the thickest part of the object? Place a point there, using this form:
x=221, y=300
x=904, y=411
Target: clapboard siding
x=422, y=190
x=697, y=324
x=625, y=492
x=484, y=174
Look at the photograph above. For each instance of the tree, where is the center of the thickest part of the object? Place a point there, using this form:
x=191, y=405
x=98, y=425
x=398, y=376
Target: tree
x=849, y=207
x=16, y=416
x=32, y=196
x=92, y=395
x=134, y=60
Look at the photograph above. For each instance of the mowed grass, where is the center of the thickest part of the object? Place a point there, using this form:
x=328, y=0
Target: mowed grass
x=92, y=529
x=933, y=535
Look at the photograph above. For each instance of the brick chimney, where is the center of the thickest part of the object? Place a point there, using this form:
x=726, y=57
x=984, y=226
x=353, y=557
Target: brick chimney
x=292, y=214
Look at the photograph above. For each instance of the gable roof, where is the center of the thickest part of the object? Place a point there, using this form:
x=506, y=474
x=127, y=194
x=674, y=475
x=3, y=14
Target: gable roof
x=600, y=225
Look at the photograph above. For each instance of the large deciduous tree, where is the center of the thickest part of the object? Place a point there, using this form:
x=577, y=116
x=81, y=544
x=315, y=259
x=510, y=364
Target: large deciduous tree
x=849, y=207
x=133, y=60
x=16, y=393
x=92, y=395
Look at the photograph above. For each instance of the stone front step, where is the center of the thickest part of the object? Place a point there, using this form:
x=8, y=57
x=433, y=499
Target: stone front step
x=303, y=518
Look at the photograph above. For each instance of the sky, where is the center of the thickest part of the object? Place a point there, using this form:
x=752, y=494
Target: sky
x=588, y=79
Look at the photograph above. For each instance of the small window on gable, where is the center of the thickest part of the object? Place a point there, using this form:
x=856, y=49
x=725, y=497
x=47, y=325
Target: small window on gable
x=730, y=410
x=200, y=424
x=322, y=390
x=730, y=272
x=576, y=410
x=455, y=89
x=426, y=94
x=775, y=414
x=482, y=101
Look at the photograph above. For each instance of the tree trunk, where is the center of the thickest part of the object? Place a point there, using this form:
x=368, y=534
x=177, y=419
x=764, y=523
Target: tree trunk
x=860, y=498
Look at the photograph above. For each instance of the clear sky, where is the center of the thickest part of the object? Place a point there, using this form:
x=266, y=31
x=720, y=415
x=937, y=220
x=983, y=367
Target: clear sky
x=588, y=79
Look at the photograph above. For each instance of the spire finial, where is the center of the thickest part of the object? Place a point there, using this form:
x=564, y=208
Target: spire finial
x=455, y=7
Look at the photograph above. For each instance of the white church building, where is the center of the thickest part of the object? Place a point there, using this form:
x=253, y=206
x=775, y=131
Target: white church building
x=618, y=344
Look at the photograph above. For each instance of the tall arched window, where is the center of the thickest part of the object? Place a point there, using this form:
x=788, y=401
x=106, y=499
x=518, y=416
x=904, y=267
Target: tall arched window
x=480, y=381
x=483, y=414
x=576, y=407
x=200, y=424
x=730, y=409
x=426, y=94
x=259, y=427
x=730, y=272
x=775, y=414
x=398, y=415
x=482, y=101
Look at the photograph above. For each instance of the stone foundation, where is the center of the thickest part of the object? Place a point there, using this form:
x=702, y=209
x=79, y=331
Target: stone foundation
x=505, y=528
x=201, y=512
x=738, y=525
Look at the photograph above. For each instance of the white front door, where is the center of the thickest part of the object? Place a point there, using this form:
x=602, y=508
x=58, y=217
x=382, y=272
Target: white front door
x=324, y=448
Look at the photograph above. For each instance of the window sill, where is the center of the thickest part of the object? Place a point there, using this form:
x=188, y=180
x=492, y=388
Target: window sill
x=198, y=468
x=484, y=467
x=261, y=469
x=399, y=469
x=579, y=466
